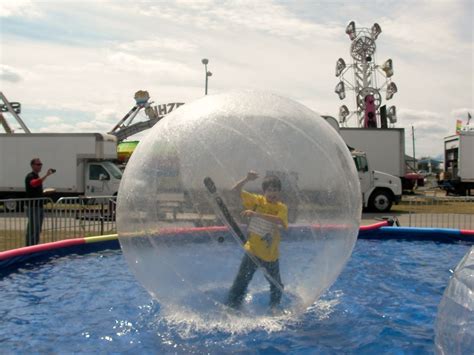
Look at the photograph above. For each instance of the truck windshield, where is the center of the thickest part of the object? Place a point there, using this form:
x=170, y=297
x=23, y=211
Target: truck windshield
x=113, y=169
x=361, y=163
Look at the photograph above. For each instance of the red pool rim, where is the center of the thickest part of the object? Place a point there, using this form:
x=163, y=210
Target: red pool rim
x=366, y=231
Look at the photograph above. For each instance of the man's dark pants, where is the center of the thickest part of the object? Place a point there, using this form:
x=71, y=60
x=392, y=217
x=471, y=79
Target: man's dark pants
x=244, y=276
x=35, y=215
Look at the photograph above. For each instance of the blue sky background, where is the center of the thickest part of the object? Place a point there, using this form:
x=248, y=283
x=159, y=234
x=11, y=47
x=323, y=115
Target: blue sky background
x=75, y=65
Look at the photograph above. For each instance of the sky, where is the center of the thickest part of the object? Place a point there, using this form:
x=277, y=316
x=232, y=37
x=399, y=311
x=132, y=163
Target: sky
x=75, y=65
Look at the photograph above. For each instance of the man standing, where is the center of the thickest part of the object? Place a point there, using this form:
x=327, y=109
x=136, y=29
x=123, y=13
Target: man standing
x=34, y=191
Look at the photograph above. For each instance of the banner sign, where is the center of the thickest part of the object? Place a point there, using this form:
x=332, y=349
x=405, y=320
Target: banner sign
x=164, y=109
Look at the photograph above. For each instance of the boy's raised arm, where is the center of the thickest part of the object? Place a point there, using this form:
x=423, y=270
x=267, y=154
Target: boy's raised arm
x=251, y=175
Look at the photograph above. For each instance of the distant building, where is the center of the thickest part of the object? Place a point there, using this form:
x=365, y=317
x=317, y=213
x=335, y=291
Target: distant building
x=429, y=165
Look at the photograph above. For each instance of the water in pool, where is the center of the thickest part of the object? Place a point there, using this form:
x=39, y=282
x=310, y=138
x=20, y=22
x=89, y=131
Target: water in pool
x=385, y=301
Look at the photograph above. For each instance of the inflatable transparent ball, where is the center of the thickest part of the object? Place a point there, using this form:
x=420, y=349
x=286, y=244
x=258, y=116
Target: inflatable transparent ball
x=181, y=238
x=455, y=319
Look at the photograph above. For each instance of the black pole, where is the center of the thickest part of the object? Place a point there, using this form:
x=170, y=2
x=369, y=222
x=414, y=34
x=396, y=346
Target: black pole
x=205, y=66
x=413, y=139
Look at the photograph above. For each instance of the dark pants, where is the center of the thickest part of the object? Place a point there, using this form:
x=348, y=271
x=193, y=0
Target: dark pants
x=35, y=223
x=244, y=276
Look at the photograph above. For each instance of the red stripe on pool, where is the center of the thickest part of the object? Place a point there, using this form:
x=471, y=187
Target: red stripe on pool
x=40, y=248
x=373, y=226
x=77, y=241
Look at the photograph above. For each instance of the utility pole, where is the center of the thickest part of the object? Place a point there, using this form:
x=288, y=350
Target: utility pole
x=413, y=140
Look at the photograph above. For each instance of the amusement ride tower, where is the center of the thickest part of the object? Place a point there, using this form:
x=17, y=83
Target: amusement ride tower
x=369, y=111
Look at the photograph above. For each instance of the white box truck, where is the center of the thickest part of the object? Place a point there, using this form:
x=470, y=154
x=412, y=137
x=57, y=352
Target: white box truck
x=83, y=162
x=380, y=190
x=458, y=174
x=385, y=149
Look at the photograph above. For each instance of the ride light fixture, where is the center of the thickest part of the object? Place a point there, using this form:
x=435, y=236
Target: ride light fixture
x=340, y=66
x=387, y=68
x=392, y=114
x=391, y=90
x=351, y=30
x=340, y=90
x=375, y=31
x=343, y=113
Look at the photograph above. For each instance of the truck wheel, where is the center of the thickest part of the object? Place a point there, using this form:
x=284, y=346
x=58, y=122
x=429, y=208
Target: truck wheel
x=380, y=201
x=10, y=205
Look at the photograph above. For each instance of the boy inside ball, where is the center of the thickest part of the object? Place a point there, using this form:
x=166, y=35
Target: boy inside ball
x=267, y=214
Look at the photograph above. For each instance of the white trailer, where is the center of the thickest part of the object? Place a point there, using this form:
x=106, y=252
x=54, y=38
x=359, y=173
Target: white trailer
x=385, y=147
x=83, y=162
x=458, y=177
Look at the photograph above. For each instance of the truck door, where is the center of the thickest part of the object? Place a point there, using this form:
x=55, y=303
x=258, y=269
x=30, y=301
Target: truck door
x=97, y=179
x=364, y=174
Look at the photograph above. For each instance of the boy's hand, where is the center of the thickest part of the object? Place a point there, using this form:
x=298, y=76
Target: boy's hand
x=248, y=213
x=252, y=175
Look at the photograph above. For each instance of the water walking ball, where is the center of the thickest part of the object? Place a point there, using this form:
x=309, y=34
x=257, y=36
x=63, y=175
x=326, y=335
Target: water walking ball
x=455, y=319
x=180, y=220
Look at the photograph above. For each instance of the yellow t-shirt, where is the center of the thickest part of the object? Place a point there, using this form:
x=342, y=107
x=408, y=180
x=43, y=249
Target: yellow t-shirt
x=266, y=246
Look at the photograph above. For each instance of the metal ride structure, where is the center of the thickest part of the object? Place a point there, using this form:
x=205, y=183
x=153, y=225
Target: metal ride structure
x=14, y=108
x=126, y=128
x=369, y=110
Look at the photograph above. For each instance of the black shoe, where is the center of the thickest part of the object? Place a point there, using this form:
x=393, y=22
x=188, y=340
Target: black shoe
x=233, y=304
x=276, y=309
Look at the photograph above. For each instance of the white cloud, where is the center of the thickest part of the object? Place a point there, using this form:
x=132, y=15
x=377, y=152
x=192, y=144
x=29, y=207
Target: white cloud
x=93, y=126
x=288, y=47
x=84, y=126
x=108, y=116
x=52, y=119
x=158, y=44
x=264, y=16
x=57, y=128
x=429, y=129
x=8, y=73
x=462, y=114
x=19, y=8
x=427, y=27
x=161, y=68
x=103, y=121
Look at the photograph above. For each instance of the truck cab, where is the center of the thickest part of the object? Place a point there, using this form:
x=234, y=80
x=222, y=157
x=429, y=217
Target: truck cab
x=379, y=190
x=102, y=178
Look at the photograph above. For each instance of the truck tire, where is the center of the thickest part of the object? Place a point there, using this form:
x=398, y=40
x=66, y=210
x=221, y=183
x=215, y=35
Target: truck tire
x=12, y=204
x=380, y=201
